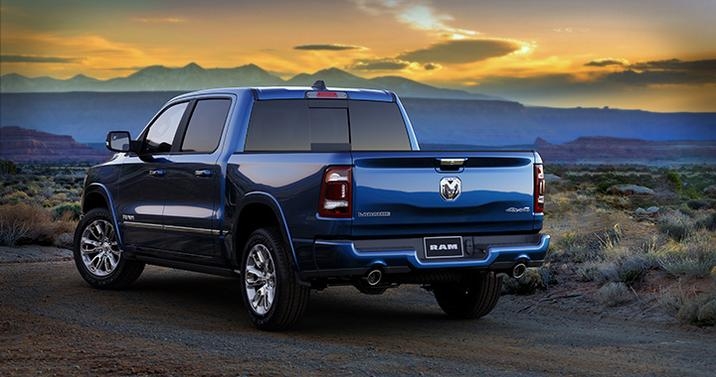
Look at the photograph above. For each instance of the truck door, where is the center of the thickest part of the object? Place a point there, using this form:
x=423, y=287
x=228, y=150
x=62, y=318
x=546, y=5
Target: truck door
x=194, y=183
x=142, y=181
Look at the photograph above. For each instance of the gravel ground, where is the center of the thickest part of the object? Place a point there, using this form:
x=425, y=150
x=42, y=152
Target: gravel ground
x=185, y=324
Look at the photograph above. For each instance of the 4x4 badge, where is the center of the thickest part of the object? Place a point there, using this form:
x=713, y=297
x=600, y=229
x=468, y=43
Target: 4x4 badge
x=450, y=188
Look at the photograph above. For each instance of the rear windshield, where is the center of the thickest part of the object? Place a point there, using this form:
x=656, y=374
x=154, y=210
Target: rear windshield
x=303, y=125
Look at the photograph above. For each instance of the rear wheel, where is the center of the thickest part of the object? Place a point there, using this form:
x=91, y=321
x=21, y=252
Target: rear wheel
x=98, y=256
x=272, y=294
x=471, y=298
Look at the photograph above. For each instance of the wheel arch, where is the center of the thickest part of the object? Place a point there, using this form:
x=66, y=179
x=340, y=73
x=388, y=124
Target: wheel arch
x=97, y=195
x=258, y=210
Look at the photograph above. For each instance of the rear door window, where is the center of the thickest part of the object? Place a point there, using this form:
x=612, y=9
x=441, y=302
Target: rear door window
x=205, y=126
x=278, y=125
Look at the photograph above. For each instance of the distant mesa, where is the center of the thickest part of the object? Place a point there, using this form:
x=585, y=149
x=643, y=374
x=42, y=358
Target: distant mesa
x=606, y=149
x=193, y=77
x=23, y=145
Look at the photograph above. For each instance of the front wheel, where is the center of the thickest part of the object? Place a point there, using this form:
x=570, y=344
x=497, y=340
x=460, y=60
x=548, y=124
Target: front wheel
x=98, y=256
x=272, y=294
x=472, y=298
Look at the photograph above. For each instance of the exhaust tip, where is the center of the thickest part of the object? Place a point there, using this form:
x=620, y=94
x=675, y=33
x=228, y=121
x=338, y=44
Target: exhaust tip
x=519, y=270
x=374, y=277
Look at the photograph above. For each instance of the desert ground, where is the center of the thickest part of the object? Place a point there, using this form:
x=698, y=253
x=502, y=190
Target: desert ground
x=184, y=324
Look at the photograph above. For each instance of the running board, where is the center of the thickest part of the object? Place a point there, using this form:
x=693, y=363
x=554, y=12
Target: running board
x=214, y=270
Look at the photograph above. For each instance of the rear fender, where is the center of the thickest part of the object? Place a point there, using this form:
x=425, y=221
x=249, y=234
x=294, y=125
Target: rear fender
x=266, y=199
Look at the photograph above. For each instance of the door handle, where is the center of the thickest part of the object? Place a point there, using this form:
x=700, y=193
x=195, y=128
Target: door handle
x=202, y=173
x=157, y=172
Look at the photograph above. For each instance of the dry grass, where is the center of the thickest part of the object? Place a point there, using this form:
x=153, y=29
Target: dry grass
x=28, y=224
x=694, y=256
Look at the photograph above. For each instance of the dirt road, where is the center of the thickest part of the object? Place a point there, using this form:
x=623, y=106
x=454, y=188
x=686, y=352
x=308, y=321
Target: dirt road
x=181, y=323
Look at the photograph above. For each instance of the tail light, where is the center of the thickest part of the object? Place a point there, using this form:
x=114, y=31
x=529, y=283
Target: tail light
x=539, y=189
x=336, y=193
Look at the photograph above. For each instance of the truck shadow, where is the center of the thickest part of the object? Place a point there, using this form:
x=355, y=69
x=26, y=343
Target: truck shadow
x=196, y=299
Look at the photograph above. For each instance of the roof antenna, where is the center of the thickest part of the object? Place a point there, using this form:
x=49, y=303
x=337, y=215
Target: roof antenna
x=319, y=85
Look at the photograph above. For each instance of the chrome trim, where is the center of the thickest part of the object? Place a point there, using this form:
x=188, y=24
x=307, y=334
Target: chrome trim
x=135, y=224
x=452, y=161
x=176, y=228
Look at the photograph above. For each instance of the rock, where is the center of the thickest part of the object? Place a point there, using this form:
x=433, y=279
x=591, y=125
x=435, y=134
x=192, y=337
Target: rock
x=641, y=212
x=552, y=178
x=630, y=190
x=64, y=240
x=653, y=210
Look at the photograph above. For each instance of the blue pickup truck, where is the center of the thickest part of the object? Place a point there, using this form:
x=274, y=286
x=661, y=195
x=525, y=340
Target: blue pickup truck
x=298, y=188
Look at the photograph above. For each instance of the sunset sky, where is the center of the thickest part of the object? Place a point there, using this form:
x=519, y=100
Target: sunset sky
x=656, y=55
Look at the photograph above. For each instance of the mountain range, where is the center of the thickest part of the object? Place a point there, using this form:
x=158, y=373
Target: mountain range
x=193, y=77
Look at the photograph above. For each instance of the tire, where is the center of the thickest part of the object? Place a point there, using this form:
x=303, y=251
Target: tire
x=470, y=299
x=271, y=291
x=97, y=255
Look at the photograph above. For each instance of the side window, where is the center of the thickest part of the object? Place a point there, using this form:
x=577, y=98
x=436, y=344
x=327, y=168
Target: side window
x=205, y=126
x=161, y=133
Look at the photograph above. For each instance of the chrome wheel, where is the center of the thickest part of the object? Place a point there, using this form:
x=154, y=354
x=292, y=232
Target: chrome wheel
x=99, y=248
x=260, y=279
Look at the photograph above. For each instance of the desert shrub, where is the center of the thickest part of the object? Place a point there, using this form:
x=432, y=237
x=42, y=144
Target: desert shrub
x=627, y=267
x=699, y=310
x=610, y=238
x=7, y=167
x=632, y=269
x=707, y=222
x=697, y=204
x=587, y=271
x=526, y=285
x=614, y=294
x=674, y=180
x=15, y=197
x=676, y=225
x=67, y=211
x=578, y=248
x=12, y=230
x=695, y=258
x=599, y=272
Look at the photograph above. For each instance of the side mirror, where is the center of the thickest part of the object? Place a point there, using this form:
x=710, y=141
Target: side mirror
x=119, y=141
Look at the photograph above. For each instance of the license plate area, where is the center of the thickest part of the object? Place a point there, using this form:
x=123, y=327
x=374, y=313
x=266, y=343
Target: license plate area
x=443, y=247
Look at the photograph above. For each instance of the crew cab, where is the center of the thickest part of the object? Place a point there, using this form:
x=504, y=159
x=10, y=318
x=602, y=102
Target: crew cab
x=291, y=189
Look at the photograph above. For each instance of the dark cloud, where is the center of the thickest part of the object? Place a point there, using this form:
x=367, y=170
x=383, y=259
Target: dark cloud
x=708, y=65
x=671, y=71
x=430, y=66
x=461, y=51
x=605, y=63
x=379, y=64
x=327, y=47
x=35, y=59
x=635, y=78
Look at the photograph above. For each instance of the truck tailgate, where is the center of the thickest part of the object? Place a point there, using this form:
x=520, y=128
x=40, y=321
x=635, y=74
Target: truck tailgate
x=399, y=193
